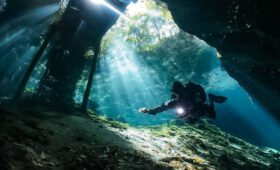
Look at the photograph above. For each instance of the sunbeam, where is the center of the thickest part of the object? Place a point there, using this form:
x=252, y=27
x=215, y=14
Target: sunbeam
x=139, y=84
x=108, y=5
x=20, y=39
x=140, y=64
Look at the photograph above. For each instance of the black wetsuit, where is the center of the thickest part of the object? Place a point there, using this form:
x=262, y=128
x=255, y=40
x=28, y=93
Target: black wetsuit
x=192, y=98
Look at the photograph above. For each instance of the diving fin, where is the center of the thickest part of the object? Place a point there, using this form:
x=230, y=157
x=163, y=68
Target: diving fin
x=217, y=99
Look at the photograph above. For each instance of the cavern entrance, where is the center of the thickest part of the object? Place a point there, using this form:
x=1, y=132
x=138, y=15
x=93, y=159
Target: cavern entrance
x=139, y=58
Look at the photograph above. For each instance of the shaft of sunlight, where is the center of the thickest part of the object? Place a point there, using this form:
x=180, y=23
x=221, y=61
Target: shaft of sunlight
x=108, y=5
x=20, y=40
x=142, y=57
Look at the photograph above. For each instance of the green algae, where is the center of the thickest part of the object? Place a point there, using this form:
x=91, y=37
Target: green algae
x=51, y=139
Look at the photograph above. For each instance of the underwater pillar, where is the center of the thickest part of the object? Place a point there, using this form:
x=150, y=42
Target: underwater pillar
x=91, y=74
x=22, y=85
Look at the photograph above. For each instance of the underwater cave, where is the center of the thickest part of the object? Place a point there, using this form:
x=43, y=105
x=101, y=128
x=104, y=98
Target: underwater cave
x=89, y=84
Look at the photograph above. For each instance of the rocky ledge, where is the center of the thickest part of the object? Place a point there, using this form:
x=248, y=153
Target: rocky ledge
x=54, y=140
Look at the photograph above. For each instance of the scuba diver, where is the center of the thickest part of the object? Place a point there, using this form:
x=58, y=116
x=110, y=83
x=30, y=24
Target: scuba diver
x=189, y=100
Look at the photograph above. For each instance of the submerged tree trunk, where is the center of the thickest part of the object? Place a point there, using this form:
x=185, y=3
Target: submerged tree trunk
x=49, y=35
x=91, y=74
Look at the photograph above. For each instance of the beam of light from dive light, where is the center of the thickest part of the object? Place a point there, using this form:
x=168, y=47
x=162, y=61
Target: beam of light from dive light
x=103, y=2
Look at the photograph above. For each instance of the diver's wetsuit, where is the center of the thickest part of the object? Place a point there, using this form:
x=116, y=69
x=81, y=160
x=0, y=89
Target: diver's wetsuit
x=192, y=98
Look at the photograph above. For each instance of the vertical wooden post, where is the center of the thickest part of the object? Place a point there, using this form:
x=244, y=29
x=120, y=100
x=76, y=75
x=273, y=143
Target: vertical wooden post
x=33, y=63
x=91, y=74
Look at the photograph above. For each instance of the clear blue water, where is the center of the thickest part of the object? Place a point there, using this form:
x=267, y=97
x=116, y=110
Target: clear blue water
x=130, y=77
x=19, y=43
x=137, y=67
x=125, y=83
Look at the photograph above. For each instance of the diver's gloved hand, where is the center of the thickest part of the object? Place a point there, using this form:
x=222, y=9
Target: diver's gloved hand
x=144, y=110
x=147, y=111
